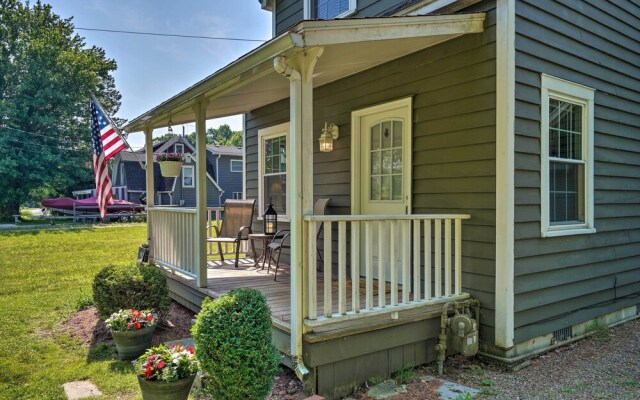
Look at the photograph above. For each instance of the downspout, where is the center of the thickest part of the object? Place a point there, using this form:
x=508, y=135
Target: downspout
x=218, y=180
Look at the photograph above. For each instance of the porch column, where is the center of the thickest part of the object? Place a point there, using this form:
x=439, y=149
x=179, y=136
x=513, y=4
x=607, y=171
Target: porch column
x=299, y=70
x=201, y=191
x=148, y=145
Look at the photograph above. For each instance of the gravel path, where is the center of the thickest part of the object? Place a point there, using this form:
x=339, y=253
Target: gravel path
x=603, y=366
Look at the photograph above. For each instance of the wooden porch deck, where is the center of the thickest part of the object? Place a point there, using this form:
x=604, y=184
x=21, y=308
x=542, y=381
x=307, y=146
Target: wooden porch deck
x=223, y=277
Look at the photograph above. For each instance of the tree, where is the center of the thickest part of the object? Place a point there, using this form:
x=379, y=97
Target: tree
x=47, y=76
x=161, y=138
x=224, y=136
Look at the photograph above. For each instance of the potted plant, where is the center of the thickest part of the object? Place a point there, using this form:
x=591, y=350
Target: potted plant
x=167, y=372
x=132, y=331
x=170, y=163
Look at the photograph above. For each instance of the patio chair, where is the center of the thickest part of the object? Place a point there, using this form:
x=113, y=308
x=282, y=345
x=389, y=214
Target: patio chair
x=279, y=241
x=236, y=225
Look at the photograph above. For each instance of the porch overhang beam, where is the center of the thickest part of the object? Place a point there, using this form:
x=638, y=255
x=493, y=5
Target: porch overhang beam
x=327, y=33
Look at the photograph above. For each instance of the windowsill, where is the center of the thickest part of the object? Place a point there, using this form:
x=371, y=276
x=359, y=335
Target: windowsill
x=568, y=232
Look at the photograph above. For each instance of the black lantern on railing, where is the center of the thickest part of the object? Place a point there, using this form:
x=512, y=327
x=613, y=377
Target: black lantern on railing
x=270, y=220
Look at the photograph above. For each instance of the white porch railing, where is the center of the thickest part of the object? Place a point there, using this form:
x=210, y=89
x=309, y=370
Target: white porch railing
x=172, y=232
x=403, y=261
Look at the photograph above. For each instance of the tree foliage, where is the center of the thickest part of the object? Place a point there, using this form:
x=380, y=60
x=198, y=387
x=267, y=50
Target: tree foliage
x=222, y=135
x=47, y=76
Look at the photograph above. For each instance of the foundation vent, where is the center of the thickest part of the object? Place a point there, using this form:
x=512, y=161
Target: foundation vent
x=563, y=334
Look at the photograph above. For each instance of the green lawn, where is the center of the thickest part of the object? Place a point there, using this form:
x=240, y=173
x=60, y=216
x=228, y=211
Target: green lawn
x=43, y=275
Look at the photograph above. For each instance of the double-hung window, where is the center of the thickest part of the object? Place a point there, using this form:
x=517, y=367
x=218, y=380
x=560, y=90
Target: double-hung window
x=272, y=168
x=329, y=9
x=567, y=157
x=187, y=176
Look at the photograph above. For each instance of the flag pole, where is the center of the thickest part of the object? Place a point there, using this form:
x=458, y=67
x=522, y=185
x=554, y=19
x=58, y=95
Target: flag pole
x=115, y=127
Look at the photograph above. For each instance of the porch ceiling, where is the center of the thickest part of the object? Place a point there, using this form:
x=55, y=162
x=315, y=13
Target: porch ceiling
x=350, y=46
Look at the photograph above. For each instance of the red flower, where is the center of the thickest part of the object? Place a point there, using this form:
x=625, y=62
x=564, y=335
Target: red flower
x=138, y=325
x=191, y=350
x=149, y=317
x=147, y=371
x=160, y=364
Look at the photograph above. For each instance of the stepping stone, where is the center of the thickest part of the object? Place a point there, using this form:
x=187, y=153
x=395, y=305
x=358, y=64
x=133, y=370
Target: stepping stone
x=451, y=390
x=80, y=390
x=386, y=390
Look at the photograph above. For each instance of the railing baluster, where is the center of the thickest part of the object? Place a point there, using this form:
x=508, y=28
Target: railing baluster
x=406, y=266
x=327, y=267
x=447, y=257
x=416, y=260
x=313, y=282
x=393, y=278
x=427, y=259
x=368, y=264
x=342, y=267
x=382, y=285
x=355, y=266
x=437, y=284
x=458, y=255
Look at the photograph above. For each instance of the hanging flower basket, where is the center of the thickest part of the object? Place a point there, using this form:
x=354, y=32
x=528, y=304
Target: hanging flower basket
x=170, y=164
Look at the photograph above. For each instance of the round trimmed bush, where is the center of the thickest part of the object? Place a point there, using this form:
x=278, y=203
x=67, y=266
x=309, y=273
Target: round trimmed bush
x=130, y=286
x=233, y=344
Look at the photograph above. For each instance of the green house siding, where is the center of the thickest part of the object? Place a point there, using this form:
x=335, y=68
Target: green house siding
x=453, y=89
x=562, y=281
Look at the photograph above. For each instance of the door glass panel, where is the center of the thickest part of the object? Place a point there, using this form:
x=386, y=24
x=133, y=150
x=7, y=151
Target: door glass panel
x=385, y=188
x=375, y=188
x=375, y=137
x=386, y=134
x=386, y=161
x=375, y=163
x=397, y=133
x=397, y=161
x=397, y=187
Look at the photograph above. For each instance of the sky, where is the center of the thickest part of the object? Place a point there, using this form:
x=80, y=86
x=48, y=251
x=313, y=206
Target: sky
x=151, y=69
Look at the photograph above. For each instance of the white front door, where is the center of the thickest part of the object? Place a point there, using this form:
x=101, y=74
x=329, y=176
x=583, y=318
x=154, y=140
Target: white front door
x=382, y=177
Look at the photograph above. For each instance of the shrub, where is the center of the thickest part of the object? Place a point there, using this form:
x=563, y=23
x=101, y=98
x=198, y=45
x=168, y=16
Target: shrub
x=132, y=286
x=233, y=344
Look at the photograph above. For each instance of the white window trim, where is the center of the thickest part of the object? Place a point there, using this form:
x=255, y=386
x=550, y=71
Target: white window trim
x=176, y=148
x=268, y=133
x=235, y=162
x=308, y=9
x=193, y=176
x=556, y=88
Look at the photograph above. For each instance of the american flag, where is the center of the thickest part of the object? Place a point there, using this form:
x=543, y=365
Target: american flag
x=106, y=143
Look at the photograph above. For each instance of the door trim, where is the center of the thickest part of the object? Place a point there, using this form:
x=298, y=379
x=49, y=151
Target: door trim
x=356, y=175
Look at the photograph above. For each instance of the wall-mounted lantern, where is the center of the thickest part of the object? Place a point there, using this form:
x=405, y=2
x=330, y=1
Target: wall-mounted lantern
x=329, y=133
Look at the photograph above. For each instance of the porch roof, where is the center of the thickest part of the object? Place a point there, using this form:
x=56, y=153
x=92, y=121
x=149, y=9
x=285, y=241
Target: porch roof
x=350, y=46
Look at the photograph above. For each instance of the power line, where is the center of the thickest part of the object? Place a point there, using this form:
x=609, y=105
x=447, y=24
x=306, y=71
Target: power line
x=30, y=133
x=171, y=35
x=46, y=145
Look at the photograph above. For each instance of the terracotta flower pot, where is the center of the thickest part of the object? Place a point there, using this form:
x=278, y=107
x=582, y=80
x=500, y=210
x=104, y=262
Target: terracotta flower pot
x=170, y=168
x=131, y=344
x=160, y=390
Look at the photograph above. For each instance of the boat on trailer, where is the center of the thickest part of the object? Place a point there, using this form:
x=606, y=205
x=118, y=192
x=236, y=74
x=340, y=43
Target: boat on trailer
x=89, y=206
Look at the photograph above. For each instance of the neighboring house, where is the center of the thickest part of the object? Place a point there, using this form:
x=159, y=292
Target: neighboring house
x=222, y=163
x=522, y=115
